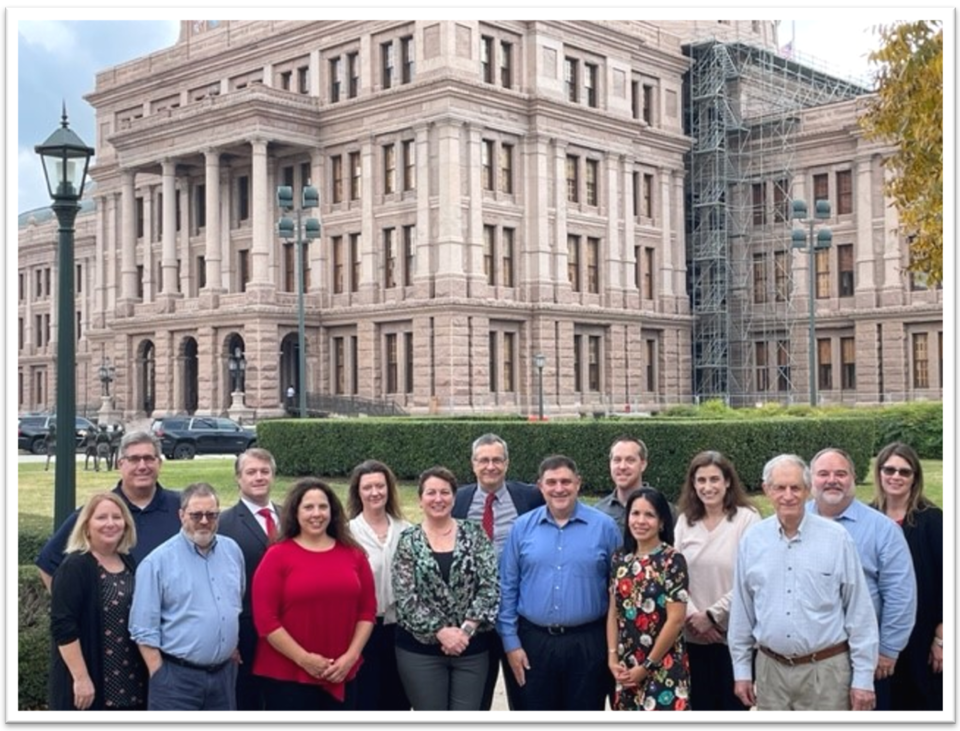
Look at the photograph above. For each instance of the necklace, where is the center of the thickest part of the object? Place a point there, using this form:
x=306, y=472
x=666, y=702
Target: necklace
x=441, y=534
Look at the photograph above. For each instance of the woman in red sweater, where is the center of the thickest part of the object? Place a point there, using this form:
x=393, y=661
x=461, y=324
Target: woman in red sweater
x=314, y=605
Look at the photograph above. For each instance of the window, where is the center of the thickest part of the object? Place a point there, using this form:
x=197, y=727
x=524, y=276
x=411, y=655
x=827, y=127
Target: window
x=287, y=174
x=824, y=364
x=355, y=176
x=821, y=188
x=845, y=267
x=762, y=374
x=509, y=358
x=593, y=362
x=506, y=168
x=408, y=254
x=140, y=292
x=844, y=192
x=285, y=78
x=336, y=167
x=506, y=257
x=488, y=260
x=650, y=365
x=389, y=259
x=921, y=363
x=389, y=169
x=386, y=71
x=848, y=363
x=494, y=360
x=38, y=328
x=243, y=191
x=20, y=333
x=391, y=363
x=354, y=366
x=759, y=204
x=408, y=362
x=635, y=179
x=573, y=179
x=303, y=79
x=573, y=262
x=159, y=213
x=353, y=73
x=289, y=268
x=577, y=363
x=200, y=205
x=486, y=164
x=648, y=254
x=48, y=288
x=635, y=110
x=759, y=278
x=338, y=264
x=243, y=266
x=336, y=79
x=339, y=366
x=506, y=67
x=593, y=265
x=79, y=279
x=406, y=60
x=355, y=262
x=781, y=201
x=590, y=81
x=21, y=279
x=39, y=287
x=648, y=195
x=783, y=365
x=486, y=59
x=823, y=273
x=571, y=69
x=593, y=172
x=408, y=154
x=648, y=104
x=781, y=279
x=139, y=216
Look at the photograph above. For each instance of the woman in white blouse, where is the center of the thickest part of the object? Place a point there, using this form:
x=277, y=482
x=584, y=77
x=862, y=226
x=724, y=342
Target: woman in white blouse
x=373, y=505
x=715, y=512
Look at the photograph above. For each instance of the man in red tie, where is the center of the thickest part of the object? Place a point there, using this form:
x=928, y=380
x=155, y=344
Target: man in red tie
x=495, y=503
x=252, y=523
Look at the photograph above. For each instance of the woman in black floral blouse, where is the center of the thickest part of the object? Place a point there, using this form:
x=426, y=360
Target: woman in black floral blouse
x=448, y=593
x=648, y=604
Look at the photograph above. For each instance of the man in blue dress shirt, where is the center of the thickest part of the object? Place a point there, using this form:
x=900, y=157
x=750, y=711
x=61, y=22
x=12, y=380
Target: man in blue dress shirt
x=884, y=554
x=554, y=575
x=185, y=616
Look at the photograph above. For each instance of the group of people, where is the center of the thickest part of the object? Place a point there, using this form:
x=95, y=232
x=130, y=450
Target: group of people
x=162, y=601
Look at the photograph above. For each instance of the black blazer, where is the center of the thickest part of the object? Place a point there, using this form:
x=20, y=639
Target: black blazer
x=525, y=498
x=242, y=526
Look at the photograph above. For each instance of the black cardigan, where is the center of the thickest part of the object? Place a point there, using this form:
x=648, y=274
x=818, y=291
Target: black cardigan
x=76, y=614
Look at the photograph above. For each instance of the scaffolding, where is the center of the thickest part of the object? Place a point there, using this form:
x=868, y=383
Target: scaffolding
x=742, y=110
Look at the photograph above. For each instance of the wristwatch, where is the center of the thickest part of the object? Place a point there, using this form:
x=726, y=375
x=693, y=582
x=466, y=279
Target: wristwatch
x=469, y=629
x=649, y=665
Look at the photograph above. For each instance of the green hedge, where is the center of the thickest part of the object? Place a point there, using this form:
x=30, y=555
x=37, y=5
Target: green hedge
x=33, y=531
x=33, y=639
x=334, y=446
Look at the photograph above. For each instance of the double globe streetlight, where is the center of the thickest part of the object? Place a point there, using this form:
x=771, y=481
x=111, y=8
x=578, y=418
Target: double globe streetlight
x=65, y=162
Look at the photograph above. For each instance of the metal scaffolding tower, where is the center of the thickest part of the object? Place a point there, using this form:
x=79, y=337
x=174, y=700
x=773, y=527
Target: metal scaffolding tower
x=742, y=112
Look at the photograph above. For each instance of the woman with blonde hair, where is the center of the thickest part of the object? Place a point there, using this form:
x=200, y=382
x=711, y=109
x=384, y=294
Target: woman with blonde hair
x=96, y=666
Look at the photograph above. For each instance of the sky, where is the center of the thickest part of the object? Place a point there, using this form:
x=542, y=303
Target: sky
x=57, y=60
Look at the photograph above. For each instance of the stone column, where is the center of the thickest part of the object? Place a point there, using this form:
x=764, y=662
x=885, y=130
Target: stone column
x=562, y=290
x=535, y=275
x=421, y=277
x=259, y=196
x=370, y=289
x=450, y=280
x=612, y=290
x=476, y=281
x=222, y=273
x=169, y=239
x=666, y=249
x=865, y=284
x=128, y=243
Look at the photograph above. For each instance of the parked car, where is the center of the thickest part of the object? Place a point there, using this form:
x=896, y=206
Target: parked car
x=32, y=431
x=182, y=437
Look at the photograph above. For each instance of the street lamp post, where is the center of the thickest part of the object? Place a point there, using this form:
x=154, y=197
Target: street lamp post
x=805, y=241
x=540, y=360
x=301, y=231
x=65, y=161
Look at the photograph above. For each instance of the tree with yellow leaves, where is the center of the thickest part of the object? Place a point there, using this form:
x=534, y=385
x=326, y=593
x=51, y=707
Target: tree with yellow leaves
x=908, y=112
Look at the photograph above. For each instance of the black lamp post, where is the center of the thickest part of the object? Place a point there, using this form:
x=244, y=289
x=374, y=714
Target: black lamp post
x=238, y=366
x=65, y=161
x=302, y=231
x=540, y=360
x=106, y=372
x=799, y=239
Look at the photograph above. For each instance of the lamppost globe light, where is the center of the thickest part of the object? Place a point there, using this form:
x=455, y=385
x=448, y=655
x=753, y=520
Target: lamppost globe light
x=540, y=360
x=66, y=159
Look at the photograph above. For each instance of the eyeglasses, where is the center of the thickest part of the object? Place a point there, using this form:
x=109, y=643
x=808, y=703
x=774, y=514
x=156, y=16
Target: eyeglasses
x=496, y=461
x=147, y=459
x=198, y=516
x=890, y=471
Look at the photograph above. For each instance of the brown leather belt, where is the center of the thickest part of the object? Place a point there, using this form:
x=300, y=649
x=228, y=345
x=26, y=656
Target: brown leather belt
x=817, y=656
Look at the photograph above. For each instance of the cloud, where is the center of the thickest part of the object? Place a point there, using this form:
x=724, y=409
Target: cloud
x=53, y=36
x=31, y=186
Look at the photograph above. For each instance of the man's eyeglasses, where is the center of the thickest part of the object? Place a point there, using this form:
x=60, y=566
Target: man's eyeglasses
x=496, y=461
x=890, y=471
x=198, y=516
x=147, y=459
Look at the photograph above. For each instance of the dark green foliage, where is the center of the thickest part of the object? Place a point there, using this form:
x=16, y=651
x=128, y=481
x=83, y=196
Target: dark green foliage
x=918, y=424
x=33, y=640
x=32, y=533
x=334, y=447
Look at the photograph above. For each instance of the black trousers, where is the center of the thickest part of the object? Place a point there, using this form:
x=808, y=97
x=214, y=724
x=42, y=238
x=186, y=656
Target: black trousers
x=249, y=686
x=286, y=695
x=498, y=664
x=568, y=671
x=379, y=687
x=711, y=678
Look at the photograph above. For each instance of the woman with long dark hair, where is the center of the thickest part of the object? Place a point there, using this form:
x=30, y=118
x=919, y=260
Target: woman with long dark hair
x=314, y=605
x=648, y=596
x=715, y=512
x=917, y=681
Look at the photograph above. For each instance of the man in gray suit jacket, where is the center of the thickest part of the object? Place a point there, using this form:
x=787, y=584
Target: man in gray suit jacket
x=507, y=500
x=251, y=523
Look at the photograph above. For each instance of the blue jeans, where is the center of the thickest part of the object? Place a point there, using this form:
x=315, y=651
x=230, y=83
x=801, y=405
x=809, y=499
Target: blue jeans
x=176, y=688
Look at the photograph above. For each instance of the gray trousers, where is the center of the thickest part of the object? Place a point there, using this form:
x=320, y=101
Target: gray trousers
x=176, y=688
x=442, y=683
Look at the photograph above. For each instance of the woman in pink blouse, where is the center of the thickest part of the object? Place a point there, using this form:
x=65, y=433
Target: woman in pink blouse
x=715, y=512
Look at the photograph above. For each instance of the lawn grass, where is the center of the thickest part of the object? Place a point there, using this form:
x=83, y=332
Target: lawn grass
x=35, y=488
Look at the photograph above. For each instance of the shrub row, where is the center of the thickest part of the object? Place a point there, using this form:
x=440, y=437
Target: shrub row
x=33, y=640
x=334, y=447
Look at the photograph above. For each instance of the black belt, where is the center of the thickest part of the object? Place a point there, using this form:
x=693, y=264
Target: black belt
x=192, y=665
x=558, y=629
